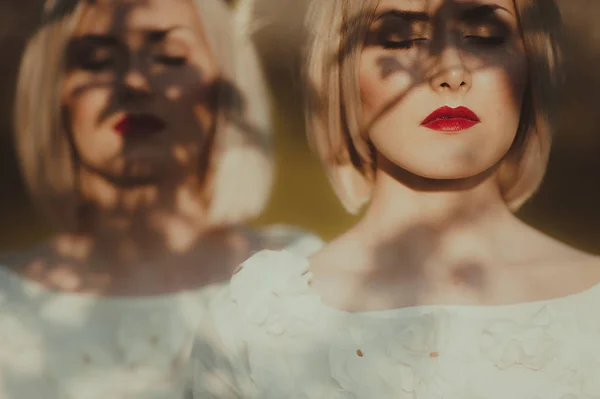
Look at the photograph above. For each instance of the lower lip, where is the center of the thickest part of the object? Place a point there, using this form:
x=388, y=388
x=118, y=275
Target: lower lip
x=450, y=124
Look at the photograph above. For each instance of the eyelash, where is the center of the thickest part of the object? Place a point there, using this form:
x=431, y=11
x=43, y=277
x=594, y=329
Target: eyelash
x=171, y=60
x=404, y=44
x=97, y=65
x=491, y=41
x=488, y=41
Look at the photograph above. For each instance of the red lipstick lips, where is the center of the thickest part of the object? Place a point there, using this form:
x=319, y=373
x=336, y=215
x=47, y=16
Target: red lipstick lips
x=448, y=119
x=139, y=125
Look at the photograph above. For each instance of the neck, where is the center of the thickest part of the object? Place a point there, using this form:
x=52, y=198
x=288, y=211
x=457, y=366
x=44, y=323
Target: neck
x=139, y=240
x=425, y=223
x=122, y=226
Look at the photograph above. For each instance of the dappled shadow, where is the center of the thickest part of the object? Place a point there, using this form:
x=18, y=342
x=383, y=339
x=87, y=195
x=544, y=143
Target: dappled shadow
x=216, y=95
x=403, y=273
x=426, y=64
x=312, y=362
x=96, y=336
x=569, y=183
x=564, y=207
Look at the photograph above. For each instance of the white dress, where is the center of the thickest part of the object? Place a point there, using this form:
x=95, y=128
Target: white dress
x=57, y=345
x=274, y=338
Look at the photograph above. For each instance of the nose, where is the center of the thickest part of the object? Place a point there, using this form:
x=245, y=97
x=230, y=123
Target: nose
x=452, y=75
x=135, y=81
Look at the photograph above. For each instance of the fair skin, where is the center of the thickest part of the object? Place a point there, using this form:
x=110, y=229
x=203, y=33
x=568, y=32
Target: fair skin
x=437, y=231
x=143, y=230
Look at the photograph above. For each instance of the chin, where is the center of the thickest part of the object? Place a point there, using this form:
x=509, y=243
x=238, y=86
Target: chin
x=458, y=179
x=457, y=173
x=132, y=173
x=446, y=171
x=416, y=168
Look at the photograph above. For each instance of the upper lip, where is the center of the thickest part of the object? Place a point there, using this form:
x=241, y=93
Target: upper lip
x=451, y=113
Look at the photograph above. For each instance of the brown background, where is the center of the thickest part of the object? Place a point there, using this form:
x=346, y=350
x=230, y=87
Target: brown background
x=566, y=207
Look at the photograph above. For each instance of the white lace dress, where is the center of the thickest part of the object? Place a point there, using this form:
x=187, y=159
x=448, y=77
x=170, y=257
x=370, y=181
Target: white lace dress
x=57, y=345
x=274, y=339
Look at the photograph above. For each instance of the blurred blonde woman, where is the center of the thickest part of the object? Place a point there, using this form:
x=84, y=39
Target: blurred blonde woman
x=438, y=114
x=142, y=130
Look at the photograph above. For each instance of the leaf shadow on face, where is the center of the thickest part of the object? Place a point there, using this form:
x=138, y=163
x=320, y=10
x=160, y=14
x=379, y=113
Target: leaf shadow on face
x=218, y=96
x=427, y=64
x=361, y=31
x=73, y=343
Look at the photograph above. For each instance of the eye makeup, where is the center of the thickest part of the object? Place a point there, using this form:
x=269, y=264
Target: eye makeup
x=93, y=53
x=400, y=30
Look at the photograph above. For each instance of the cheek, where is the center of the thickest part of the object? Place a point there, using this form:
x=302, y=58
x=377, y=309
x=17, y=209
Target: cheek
x=86, y=107
x=86, y=113
x=191, y=107
x=384, y=81
x=190, y=91
x=501, y=95
x=396, y=97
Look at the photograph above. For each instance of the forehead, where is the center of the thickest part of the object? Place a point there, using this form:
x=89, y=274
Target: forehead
x=450, y=6
x=121, y=16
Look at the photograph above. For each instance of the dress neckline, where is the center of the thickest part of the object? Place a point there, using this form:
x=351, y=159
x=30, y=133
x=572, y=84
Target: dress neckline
x=464, y=309
x=35, y=289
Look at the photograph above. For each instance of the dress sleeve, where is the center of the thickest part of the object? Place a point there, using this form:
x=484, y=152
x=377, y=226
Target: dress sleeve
x=233, y=329
x=218, y=364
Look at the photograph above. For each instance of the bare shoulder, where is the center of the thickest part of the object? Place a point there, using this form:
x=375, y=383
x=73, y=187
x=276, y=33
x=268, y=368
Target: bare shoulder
x=559, y=252
x=338, y=272
x=291, y=238
x=343, y=253
x=562, y=277
x=345, y=260
x=582, y=264
x=534, y=246
x=561, y=267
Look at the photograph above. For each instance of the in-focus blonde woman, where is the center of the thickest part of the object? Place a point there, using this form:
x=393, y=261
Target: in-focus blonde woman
x=438, y=114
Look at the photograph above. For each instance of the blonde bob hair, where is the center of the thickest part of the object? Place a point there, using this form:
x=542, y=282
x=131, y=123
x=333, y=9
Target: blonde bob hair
x=337, y=29
x=240, y=167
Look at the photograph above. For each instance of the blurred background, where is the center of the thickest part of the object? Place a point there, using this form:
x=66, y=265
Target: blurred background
x=567, y=206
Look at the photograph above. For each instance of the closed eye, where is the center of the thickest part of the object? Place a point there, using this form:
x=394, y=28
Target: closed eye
x=97, y=61
x=404, y=44
x=492, y=41
x=171, y=60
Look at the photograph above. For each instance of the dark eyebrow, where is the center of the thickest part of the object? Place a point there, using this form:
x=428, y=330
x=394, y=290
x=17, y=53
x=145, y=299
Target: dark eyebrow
x=408, y=16
x=480, y=12
x=154, y=35
x=158, y=35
